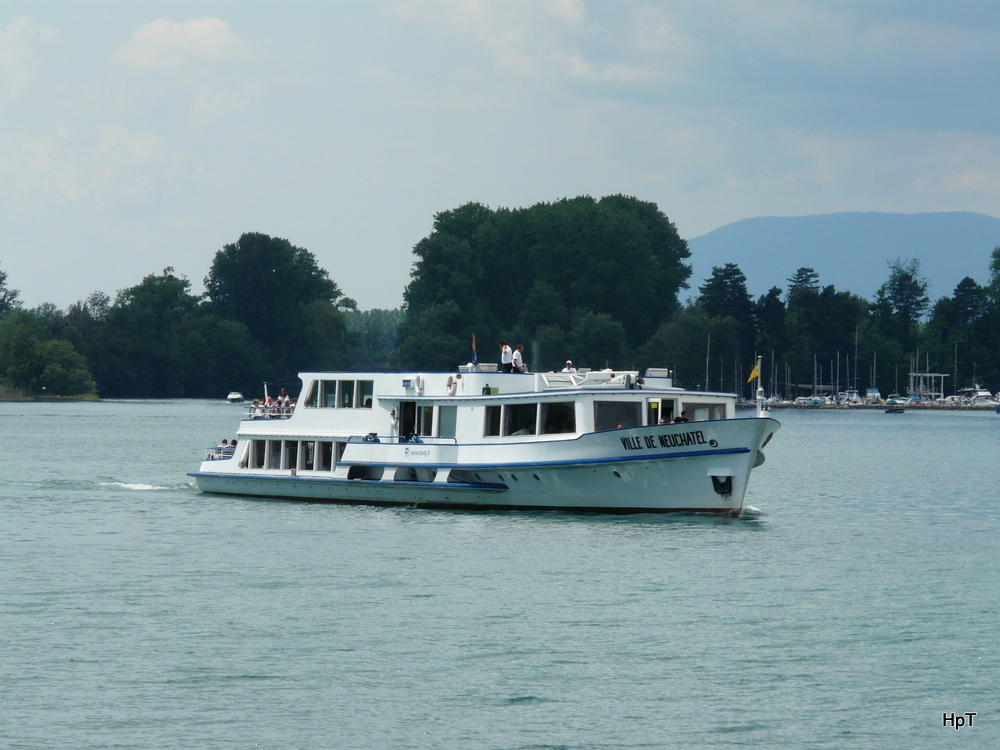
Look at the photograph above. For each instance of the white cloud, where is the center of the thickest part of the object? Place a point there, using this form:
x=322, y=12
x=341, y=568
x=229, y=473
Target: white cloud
x=116, y=166
x=166, y=45
x=522, y=37
x=18, y=62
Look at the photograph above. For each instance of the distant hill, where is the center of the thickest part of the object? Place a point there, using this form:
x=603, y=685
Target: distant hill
x=849, y=250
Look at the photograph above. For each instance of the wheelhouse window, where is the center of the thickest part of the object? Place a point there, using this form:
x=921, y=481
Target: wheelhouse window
x=328, y=398
x=520, y=419
x=312, y=395
x=558, y=417
x=346, y=394
x=610, y=415
x=366, y=393
x=491, y=427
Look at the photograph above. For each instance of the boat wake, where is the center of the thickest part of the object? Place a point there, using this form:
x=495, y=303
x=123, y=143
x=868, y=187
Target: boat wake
x=750, y=511
x=132, y=486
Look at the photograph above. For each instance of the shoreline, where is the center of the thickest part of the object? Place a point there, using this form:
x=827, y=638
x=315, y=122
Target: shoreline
x=850, y=407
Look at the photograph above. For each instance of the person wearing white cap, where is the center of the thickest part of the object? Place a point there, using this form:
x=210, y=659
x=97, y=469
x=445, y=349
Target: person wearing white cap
x=569, y=366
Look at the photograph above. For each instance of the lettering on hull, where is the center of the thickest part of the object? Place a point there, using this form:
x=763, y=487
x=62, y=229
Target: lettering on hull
x=672, y=440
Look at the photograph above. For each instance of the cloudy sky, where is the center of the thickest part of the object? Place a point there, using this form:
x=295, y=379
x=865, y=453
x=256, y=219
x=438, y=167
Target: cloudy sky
x=140, y=135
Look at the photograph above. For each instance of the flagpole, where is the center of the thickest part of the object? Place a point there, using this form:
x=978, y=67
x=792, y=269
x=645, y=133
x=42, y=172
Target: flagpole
x=760, y=390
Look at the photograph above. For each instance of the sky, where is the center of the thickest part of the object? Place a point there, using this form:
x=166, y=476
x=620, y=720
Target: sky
x=140, y=135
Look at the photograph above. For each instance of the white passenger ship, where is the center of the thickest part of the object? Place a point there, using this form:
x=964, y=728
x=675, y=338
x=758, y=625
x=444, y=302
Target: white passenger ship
x=588, y=441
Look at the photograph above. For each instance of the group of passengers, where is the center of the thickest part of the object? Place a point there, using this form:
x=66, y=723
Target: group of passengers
x=512, y=360
x=278, y=407
x=223, y=450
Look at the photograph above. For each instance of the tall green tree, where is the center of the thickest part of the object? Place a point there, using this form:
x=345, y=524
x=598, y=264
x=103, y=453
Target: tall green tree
x=517, y=273
x=901, y=302
x=8, y=297
x=686, y=341
x=33, y=358
x=287, y=302
x=769, y=322
x=724, y=295
x=374, y=333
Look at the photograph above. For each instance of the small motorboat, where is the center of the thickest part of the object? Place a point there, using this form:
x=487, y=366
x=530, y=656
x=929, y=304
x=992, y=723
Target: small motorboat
x=235, y=397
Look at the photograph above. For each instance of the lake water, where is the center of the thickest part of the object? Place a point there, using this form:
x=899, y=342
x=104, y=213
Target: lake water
x=860, y=604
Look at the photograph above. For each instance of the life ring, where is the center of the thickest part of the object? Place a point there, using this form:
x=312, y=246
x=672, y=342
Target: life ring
x=418, y=383
x=452, y=385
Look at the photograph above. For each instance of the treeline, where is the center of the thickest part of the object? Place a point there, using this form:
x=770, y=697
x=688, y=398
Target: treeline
x=269, y=311
x=599, y=282
x=595, y=281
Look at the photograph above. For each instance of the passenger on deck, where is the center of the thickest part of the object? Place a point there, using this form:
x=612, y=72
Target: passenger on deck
x=517, y=359
x=682, y=418
x=256, y=412
x=506, y=356
x=569, y=366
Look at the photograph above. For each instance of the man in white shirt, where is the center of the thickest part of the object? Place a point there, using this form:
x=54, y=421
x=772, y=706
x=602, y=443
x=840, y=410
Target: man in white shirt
x=506, y=356
x=517, y=362
x=569, y=367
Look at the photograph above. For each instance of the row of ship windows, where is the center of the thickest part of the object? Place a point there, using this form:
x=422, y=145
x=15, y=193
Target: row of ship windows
x=302, y=455
x=340, y=394
x=558, y=417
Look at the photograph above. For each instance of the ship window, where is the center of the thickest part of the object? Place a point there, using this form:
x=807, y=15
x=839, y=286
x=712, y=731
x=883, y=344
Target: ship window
x=325, y=456
x=329, y=397
x=312, y=397
x=274, y=454
x=520, y=419
x=257, y=454
x=447, y=417
x=366, y=391
x=308, y=455
x=658, y=410
x=346, y=394
x=291, y=454
x=701, y=412
x=609, y=415
x=559, y=417
x=492, y=425
x=425, y=420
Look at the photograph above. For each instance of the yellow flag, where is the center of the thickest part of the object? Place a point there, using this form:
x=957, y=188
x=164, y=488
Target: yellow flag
x=755, y=372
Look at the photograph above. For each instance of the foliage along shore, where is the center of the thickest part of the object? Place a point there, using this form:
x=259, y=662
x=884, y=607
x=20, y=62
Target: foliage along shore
x=597, y=281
